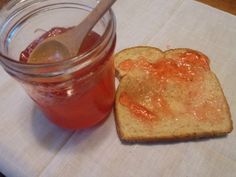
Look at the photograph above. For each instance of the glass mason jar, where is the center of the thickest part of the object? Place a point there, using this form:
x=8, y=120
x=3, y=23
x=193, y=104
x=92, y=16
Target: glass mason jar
x=74, y=93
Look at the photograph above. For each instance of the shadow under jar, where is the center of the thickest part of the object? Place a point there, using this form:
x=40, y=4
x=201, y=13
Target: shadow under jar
x=74, y=93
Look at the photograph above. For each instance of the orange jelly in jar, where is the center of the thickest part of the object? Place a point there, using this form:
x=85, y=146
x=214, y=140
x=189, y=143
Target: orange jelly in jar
x=73, y=93
x=86, y=97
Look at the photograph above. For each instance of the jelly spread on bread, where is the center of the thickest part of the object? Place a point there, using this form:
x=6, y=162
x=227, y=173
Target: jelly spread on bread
x=184, y=71
x=126, y=65
x=138, y=110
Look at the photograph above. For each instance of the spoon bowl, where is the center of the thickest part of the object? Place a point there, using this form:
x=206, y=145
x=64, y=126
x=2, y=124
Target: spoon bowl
x=67, y=44
x=49, y=52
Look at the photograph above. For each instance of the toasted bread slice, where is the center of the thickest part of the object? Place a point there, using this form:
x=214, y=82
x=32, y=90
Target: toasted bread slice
x=171, y=97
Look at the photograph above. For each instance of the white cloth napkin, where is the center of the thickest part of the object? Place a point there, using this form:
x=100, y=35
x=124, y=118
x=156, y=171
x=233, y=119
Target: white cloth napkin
x=31, y=146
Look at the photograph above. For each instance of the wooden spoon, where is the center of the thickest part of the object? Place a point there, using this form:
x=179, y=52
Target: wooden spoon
x=66, y=45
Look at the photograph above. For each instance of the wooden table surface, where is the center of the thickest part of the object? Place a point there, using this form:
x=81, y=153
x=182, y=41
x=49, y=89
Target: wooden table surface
x=225, y=5
x=2, y=2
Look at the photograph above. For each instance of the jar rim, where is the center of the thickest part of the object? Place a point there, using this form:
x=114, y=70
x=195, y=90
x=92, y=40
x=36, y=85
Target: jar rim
x=18, y=66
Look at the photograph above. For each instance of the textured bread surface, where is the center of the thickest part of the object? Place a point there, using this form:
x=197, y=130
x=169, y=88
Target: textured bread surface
x=135, y=53
x=149, y=108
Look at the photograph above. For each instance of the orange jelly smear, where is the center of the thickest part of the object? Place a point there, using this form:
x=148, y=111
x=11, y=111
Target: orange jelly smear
x=137, y=109
x=80, y=104
x=182, y=69
x=126, y=65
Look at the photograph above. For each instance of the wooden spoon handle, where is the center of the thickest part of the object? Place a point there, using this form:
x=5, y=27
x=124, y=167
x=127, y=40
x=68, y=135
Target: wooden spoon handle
x=74, y=37
x=90, y=21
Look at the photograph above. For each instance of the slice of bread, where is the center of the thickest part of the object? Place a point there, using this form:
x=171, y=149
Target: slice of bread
x=165, y=96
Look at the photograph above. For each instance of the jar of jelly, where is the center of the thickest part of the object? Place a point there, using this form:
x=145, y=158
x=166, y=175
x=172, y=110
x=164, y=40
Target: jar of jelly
x=73, y=93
